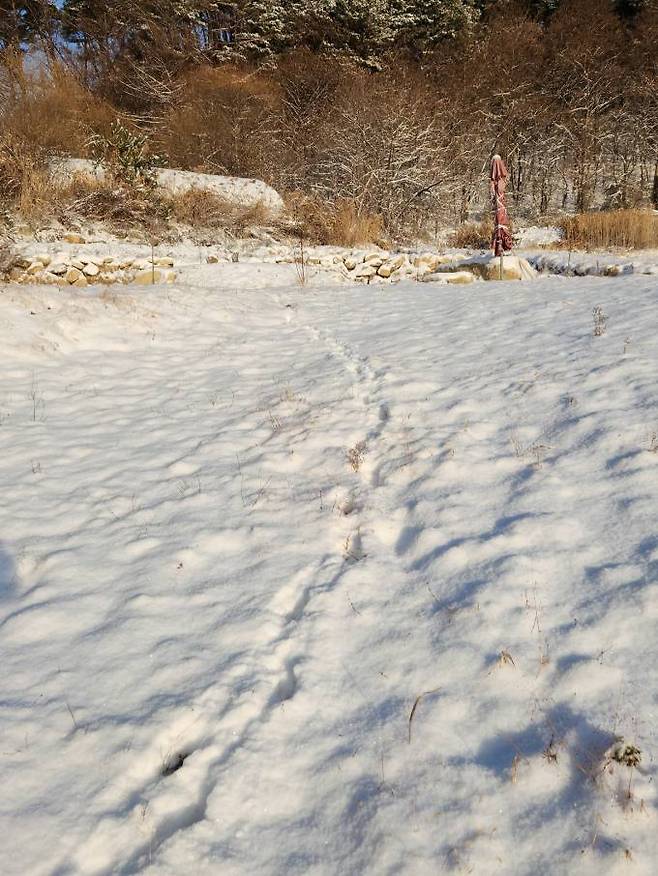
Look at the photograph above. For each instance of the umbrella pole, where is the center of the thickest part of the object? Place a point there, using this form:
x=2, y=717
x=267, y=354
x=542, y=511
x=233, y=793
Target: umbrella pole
x=501, y=266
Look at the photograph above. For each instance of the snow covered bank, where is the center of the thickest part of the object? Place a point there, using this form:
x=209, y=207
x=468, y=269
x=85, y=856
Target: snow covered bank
x=245, y=526
x=235, y=190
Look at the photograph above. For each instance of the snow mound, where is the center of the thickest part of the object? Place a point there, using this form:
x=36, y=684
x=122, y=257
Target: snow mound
x=239, y=191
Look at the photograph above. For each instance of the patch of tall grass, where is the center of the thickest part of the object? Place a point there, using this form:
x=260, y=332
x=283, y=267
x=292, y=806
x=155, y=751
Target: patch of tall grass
x=625, y=229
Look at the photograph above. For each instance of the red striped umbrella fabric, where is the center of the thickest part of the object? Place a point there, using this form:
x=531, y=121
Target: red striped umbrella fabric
x=502, y=239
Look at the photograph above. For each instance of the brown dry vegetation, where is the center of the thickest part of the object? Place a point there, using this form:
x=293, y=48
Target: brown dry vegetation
x=341, y=223
x=368, y=155
x=203, y=209
x=627, y=229
x=473, y=235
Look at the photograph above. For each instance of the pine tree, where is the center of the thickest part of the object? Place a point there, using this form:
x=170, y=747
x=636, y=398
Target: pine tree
x=269, y=28
x=421, y=25
x=363, y=27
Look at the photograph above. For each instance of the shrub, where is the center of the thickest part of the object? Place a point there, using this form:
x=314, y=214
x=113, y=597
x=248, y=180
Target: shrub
x=49, y=109
x=44, y=112
x=127, y=157
x=121, y=208
x=224, y=123
x=24, y=177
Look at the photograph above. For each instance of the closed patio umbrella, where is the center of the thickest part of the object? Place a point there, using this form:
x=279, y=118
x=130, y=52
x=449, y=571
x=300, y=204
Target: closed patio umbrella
x=502, y=239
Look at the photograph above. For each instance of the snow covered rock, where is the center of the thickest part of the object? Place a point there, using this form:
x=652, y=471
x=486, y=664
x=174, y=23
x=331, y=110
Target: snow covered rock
x=451, y=278
x=156, y=275
x=617, y=270
x=429, y=262
x=365, y=272
x=393, y=265
x=73, y=274
x=488, y=268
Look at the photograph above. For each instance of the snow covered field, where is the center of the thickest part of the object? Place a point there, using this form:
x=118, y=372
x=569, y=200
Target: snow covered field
x=249, y=528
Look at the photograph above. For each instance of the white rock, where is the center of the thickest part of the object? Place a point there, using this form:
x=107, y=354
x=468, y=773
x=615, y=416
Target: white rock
x=73, y=275
x=376, y=259
x=393, y=265
x=58, y=268
x=91, y=269
x=52, y=279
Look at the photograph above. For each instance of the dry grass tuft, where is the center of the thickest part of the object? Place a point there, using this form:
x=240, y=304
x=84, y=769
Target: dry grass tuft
x=203, y=209
x=338, y=224
x=122, y=208
x=349, y=226
x=472, y=235
x=25, y=181
x=628, y=229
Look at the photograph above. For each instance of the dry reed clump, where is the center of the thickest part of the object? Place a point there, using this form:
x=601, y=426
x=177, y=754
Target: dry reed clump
x=25, y=182
x=472, y=235
x=199, y=208
x=628, y=229
x=339, y=224
x=122, y=208
x=349, y=226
